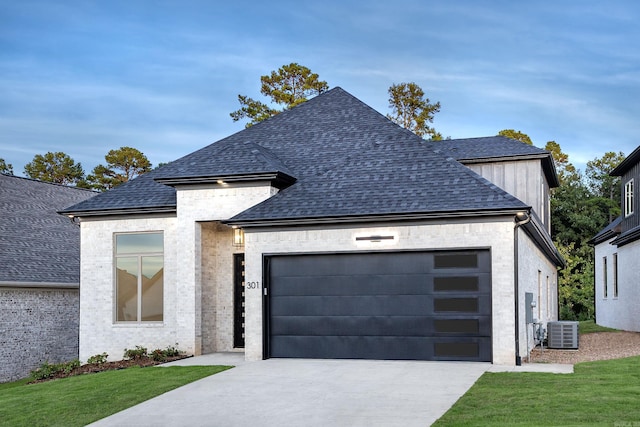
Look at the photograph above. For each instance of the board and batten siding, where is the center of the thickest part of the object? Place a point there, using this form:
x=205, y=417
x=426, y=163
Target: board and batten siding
x=632, y=221
x=523, y=178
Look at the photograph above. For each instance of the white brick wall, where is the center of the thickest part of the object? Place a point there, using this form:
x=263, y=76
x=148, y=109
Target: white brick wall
x=621, y=312
x=496, y=234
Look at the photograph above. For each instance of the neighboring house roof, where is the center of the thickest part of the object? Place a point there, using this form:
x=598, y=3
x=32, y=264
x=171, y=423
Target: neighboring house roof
x=624, y=166
x=609, y=232
x=334, y=157
x=498, y=148
x=37, y=245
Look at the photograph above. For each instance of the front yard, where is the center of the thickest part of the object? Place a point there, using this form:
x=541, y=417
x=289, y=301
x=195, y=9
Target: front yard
x=80, y=400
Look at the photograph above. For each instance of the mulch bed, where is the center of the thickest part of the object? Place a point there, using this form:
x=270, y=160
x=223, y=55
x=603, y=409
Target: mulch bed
x=92, y=368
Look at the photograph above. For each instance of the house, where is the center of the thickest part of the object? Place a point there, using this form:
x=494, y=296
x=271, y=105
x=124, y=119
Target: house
x=326, y=231
x=39, y=275
x=617, y=251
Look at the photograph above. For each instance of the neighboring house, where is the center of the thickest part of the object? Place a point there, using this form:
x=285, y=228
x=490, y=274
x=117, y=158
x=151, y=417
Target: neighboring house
x=617, y=251
x=326, y=231
x=39, y=275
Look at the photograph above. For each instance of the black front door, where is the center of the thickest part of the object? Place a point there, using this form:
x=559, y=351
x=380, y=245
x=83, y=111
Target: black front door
x=238, y=300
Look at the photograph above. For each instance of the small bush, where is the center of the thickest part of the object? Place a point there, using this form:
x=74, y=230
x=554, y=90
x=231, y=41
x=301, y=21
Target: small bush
x=138, y=353
x=160, y=355
x=98, y=359
x=49, y=370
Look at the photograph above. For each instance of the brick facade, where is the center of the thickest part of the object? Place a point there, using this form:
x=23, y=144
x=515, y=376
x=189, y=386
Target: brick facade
x=36, y=325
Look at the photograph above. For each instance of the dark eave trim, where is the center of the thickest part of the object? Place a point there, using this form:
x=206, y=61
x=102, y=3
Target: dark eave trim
x=535, y=229
x=627, y=163
x=627, y=237
x=38, y=285
x=123, y=211
x=370, y=218
x=278, y=179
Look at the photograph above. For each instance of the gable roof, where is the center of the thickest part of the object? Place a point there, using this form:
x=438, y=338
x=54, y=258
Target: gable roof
x=498, y=148
x=627, y=163
x=337, y=158
x=38, y=246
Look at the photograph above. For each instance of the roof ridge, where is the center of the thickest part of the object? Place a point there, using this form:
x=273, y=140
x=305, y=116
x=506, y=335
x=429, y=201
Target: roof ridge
x=71, y=187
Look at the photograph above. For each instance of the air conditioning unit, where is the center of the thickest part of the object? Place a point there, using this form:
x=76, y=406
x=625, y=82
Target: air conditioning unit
x=562, y=335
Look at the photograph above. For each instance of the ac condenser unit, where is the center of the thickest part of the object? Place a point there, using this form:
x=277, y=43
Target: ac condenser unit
x=562, y=335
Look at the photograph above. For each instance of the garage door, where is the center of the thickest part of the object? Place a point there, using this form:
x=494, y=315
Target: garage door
x=398, y=305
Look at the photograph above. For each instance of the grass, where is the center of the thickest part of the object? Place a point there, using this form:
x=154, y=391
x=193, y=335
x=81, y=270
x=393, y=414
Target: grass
x=598, y=393
x=80, y=400
x=589, y=326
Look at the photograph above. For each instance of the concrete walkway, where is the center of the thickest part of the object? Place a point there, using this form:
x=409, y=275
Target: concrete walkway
x=303, y=392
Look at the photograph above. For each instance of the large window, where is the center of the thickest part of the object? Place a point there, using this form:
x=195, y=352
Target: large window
x=139, y=277
x=628, y=198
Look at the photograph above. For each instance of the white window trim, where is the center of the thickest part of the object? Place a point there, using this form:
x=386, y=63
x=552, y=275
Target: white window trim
x=628, y=198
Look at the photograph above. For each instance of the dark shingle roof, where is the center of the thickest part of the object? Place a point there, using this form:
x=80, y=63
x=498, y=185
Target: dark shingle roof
x=36, y=243
x=496, y=148
x=347, y=159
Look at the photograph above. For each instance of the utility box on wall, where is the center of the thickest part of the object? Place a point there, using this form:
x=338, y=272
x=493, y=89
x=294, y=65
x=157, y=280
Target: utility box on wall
x=529, y=305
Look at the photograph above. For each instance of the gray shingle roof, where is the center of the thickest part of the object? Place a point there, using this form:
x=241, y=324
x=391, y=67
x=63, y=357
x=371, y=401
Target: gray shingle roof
x=348, y=160
x=492, y=148
x=36, y=243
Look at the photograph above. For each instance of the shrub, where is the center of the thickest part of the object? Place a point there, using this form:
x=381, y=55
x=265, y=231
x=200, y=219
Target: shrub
x=160, y=355
x=49, y=370
x=98, y=359
x=138, y=353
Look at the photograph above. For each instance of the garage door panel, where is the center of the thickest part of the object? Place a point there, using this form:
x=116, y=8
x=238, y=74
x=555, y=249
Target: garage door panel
x=364, y=305
x=384, y=348
x=383, y=305
x=351, y=285
x=380, y=325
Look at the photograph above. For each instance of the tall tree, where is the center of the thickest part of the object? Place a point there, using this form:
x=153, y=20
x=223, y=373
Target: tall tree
x=122, y=165
x=55, y=167
x=598, y=178
x=6, y=168
x=287, y=87
x=566, y=171
x=412, y=110
x=517, y=135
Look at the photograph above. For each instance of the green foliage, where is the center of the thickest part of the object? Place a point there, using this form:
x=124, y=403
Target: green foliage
x=98, y=359
x=49, y=370
x=138, y=353
x=122, y=165
x=517, y=135
x=598, y=393
x=412, y=110
x=287, y=87
x=566, y=171
x=6, y=168
x=83, y=399
x=160, y=355
x=55, y=167
x=590, y=326
x=602, y=184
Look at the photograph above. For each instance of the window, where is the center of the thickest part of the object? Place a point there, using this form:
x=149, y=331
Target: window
x=604, y=275
x=615, y=275
x=628, y=198
x=539, y=294
x=139, y=265
x=548, y=298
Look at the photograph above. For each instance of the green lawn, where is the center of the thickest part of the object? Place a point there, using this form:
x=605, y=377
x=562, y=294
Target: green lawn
x=77, y=401
x=589, y=326
x=598, y=393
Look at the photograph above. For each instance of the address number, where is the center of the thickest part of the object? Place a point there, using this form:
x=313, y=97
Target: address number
x=252, y=285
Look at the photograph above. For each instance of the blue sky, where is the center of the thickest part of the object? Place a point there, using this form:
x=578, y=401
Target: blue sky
x=84, y=77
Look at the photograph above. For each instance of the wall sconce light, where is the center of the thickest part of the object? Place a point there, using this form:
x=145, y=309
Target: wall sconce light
x=374, y=238
x=238, y=237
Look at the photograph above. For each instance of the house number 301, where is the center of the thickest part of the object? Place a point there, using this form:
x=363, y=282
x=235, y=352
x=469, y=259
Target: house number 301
x=252, y=285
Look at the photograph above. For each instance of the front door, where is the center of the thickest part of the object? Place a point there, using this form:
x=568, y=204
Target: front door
x=238, y=300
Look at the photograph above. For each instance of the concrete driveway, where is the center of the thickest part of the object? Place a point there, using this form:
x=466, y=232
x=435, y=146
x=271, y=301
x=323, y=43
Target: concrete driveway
x=303, y=392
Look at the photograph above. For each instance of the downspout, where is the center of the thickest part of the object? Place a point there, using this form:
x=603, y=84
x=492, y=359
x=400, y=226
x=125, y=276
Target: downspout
x=521, y=219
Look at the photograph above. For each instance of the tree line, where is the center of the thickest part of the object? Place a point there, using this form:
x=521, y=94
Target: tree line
x=121, y=165
x=582, y=205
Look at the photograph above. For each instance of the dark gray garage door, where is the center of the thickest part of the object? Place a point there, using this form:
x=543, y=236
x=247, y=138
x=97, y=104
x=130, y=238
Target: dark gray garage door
x=399, y=305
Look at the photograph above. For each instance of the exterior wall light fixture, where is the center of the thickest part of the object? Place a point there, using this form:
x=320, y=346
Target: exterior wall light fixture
x=238, y=237
x=374, y=238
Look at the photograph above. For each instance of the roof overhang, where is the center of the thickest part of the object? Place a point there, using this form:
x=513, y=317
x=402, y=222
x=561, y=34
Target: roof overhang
x=548, y=166
x=278, y=179
x=627, y=163
x=38, y=285
x=627, y=237
x=121, y=211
